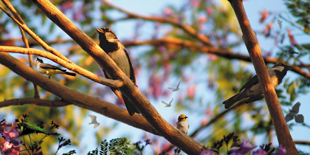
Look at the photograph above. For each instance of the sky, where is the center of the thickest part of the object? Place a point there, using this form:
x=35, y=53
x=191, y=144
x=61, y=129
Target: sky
x=253, y=7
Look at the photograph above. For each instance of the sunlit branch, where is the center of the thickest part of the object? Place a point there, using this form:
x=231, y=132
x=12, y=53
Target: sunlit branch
x=70, y=66
x=70, y=96
x=188, y=29
x=225, y=53
x=276, y=113
x=130, y=90
x=36, y=37
x=25, y=40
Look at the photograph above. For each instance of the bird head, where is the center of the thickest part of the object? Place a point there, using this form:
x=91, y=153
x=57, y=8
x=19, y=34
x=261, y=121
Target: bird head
x=106, y=34
x=39, y=60
x=282, y=67
x=182, y=117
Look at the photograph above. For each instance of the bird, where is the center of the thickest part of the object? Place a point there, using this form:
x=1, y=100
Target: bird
x=175, y=89
x=280, y=23
x=252, y=91
x=94, y=121
x=299, y=118
x=182, y=123
x=291, y=52
x=117, y=52
x=50, y=70
x=167, y=105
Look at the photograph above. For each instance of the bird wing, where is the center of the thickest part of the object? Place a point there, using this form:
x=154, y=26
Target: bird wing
x=96, y=125
x=251, y=82
x=92, y=117
x=299, y=118
x=164, y=103
x=170, y=88
x=296, y=107
x=170, y=101
x=132, y=71
x=178, y=84
x=48, y=66
x=289, y=117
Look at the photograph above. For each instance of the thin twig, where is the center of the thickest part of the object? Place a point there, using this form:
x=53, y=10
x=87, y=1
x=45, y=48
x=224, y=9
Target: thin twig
x=185, y=28
x=15, y=13
x=37, y=38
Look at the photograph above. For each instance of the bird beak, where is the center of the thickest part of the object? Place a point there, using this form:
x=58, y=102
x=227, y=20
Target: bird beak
x=289, y=67
x=99, y=30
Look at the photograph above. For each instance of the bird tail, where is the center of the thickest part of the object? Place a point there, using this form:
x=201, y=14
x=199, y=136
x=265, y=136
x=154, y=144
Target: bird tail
x=130, y=107
x=231, y=101
x=70, y=73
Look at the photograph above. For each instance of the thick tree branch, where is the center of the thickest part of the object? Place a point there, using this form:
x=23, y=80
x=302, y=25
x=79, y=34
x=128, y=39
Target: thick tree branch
x=71, y=66
x=74, y=97
x=36, y=101
x=202, y=38
x=166, y=130
x=250, y=40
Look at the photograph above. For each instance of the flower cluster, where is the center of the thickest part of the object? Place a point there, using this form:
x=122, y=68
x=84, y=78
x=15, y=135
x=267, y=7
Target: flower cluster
x=8, y=144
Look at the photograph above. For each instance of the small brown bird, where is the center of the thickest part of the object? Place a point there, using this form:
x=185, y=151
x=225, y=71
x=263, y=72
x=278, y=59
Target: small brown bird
x=50, y=69
x=252, y=91
x=117, y=52
x=182, y=124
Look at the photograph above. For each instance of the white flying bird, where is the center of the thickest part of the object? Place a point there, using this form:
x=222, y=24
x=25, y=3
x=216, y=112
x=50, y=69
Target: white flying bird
x=167, y=105
x=177, y=88
x=280, y=23
x=299, y=118
x=94, y=121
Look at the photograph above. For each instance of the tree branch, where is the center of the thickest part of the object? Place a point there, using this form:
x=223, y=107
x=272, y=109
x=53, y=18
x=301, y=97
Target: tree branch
x=166, y=130
x=15, y=13
x=250, y=40
x=302, y=142
x=70, y=66
x=74, y=97
x=36, y=101
x=202, y=38
x=225, y=53
x=37, y=38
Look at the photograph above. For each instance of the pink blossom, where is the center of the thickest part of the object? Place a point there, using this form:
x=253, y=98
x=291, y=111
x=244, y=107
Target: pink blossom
x=6, y=146
x=264, y=16
x=212, y=57
x=204, y=122
x=195, y=3
x=259, y=152
x=281, y=151
x=10, y=134
x=203, y=19
x=207, y=152
x=292, y=39
x=209, y=10
x=191, y=91
x=268, y=29
x=168, y=11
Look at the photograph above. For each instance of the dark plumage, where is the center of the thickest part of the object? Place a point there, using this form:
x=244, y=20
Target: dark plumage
x=117, y=52
x=252, y=91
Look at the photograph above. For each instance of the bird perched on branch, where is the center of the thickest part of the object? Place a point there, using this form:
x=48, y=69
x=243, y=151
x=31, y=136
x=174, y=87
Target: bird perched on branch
x=117, y=52
x=182, y=123
x=50, y=70
x=252, y=91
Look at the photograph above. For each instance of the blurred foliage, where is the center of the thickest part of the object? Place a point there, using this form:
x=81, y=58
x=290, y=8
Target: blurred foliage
x=119, y=146
x=206, y=79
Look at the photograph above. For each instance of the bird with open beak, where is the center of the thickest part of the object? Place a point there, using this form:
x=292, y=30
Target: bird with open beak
x=117, y=52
